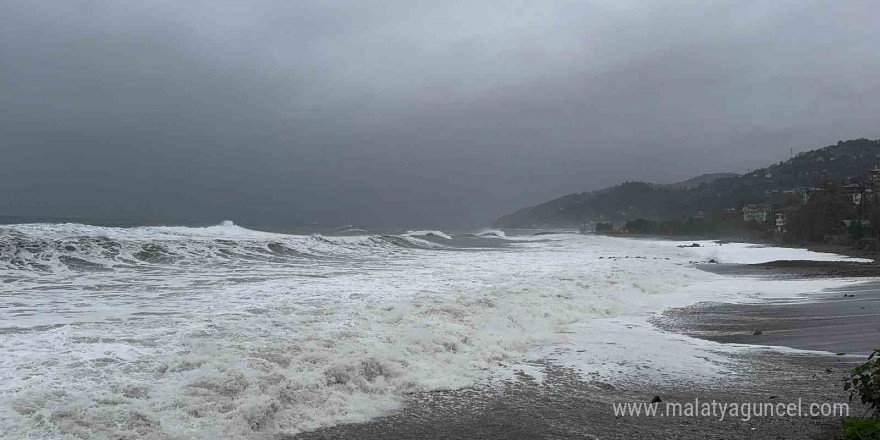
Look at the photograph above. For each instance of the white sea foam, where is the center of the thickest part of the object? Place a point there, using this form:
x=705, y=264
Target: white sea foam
x=440, y=234
x=746, y=253
x=222, y=332
x=491, y=233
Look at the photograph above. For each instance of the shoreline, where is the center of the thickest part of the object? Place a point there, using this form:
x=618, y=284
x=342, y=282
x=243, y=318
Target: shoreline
x=566, y=404
x=796, y=269
x=839, y=249
x=838, y=320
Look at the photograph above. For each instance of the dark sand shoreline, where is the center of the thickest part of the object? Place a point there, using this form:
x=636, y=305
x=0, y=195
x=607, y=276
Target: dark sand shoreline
x=567, y=406
x=840, y=249
x=797, y=269
x=841, y=320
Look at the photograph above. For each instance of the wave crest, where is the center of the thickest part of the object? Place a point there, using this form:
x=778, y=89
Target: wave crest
x=428, y=233
x=80, y=248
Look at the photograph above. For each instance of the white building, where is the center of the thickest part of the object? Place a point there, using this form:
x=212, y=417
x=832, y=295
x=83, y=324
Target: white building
x=758, y=212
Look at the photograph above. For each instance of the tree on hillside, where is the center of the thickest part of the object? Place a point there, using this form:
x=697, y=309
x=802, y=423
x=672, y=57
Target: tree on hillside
x=819, y=216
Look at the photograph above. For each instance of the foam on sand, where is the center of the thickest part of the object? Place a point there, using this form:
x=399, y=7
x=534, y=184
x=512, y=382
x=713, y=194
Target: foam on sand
x=746, y=253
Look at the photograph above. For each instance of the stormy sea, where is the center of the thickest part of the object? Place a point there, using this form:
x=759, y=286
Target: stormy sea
x=226, y=332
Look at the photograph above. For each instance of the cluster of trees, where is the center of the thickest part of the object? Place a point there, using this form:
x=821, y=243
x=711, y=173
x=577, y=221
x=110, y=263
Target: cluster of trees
x=831, y=214
x=827, y=214
x=692, y=227
x=717, y=226
x=604, y=228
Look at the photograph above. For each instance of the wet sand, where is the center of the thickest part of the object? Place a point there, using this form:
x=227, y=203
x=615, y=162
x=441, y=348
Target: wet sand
x=568, y=406
x=565, y=406
x=788, y=269
x=836, y=320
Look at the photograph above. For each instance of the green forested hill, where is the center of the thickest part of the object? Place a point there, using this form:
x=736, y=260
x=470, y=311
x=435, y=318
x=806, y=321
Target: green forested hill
x=847, y=160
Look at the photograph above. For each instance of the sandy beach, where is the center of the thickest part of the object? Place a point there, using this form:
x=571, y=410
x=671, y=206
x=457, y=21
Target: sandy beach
x=838, y=320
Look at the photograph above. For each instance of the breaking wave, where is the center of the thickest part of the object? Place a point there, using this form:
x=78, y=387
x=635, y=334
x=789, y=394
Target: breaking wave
x=428, y=234
x=83, y=248
x=491, y=233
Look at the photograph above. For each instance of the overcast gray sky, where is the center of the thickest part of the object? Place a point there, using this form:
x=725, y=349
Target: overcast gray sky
x=409, y=112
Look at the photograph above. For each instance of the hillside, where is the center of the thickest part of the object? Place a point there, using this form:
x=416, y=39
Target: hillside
x=845, y=161
x=694, y=182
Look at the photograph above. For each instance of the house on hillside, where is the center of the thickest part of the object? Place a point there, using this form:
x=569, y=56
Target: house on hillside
x=858, y=192
x=730, y=213
x=758, y=212
x=846, y=226
x=812, y=191
x=875, y=176
x=849, y=222
x=779, y=219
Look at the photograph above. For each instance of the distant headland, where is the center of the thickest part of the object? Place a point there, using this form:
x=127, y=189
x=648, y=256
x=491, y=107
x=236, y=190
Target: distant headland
x=826, y=195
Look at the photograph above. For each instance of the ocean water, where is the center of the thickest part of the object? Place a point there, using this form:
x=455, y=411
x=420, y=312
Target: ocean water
x=225, y=332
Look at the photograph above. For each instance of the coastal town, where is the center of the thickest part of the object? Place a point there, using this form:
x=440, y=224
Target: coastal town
x=836, y=211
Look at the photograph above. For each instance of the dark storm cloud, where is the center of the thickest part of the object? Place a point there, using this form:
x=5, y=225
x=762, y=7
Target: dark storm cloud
x=409, y=112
